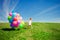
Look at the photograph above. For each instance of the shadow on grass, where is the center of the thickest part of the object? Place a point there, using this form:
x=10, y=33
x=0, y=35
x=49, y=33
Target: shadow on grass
x=9, y=29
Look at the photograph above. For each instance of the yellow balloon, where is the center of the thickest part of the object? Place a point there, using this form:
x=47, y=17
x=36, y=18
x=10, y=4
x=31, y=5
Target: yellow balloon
x=22, y=22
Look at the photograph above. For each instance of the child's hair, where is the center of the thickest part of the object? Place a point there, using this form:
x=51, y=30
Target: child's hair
x=30, y=18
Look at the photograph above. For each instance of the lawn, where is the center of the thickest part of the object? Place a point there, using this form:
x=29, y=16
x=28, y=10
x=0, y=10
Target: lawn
x=38, y=31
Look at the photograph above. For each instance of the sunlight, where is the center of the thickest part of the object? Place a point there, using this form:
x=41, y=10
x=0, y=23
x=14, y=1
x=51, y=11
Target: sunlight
x=6, y=8
x=14, y=5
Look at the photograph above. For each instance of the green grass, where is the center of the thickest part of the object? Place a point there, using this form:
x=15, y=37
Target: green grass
x=38, y=31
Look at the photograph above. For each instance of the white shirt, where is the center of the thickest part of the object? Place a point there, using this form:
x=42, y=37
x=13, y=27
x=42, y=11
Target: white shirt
x=30, y=22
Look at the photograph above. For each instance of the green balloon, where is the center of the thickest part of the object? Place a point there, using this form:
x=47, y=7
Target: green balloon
x=9, y=17
x=21, y=25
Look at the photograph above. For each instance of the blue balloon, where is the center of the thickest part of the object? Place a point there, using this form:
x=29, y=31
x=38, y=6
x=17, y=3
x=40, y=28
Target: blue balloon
x=13, y=15
x=12, y=11
x=10, y=21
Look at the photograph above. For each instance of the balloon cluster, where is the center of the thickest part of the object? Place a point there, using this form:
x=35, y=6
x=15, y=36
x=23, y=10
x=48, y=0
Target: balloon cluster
x=15, y=20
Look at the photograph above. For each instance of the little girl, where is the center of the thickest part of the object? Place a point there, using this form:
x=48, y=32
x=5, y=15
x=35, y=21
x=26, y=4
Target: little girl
x=30, y=22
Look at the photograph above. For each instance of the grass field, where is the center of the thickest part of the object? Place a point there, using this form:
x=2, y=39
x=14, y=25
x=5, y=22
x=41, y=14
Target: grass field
x=38, y=31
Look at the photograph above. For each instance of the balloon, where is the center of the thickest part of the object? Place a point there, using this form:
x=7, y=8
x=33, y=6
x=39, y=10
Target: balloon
x=15, y=23
x=22, y=22
x=21, y=25
x=10, y=14
x=18, y=21
x=9, y=17
x=12, y=11
x=11, y=25
x=20, y=18
x=10, y=20
x=13, y=15
x=15, y=19
x=17, y=15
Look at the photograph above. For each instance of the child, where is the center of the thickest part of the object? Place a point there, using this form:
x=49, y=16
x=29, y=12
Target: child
x=30, y=22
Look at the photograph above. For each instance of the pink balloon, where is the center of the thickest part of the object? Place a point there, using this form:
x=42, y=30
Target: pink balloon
x=15, y=23
x=18, y=21
x=10, y=14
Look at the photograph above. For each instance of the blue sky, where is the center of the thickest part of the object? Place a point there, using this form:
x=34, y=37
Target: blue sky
x=38, y=10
